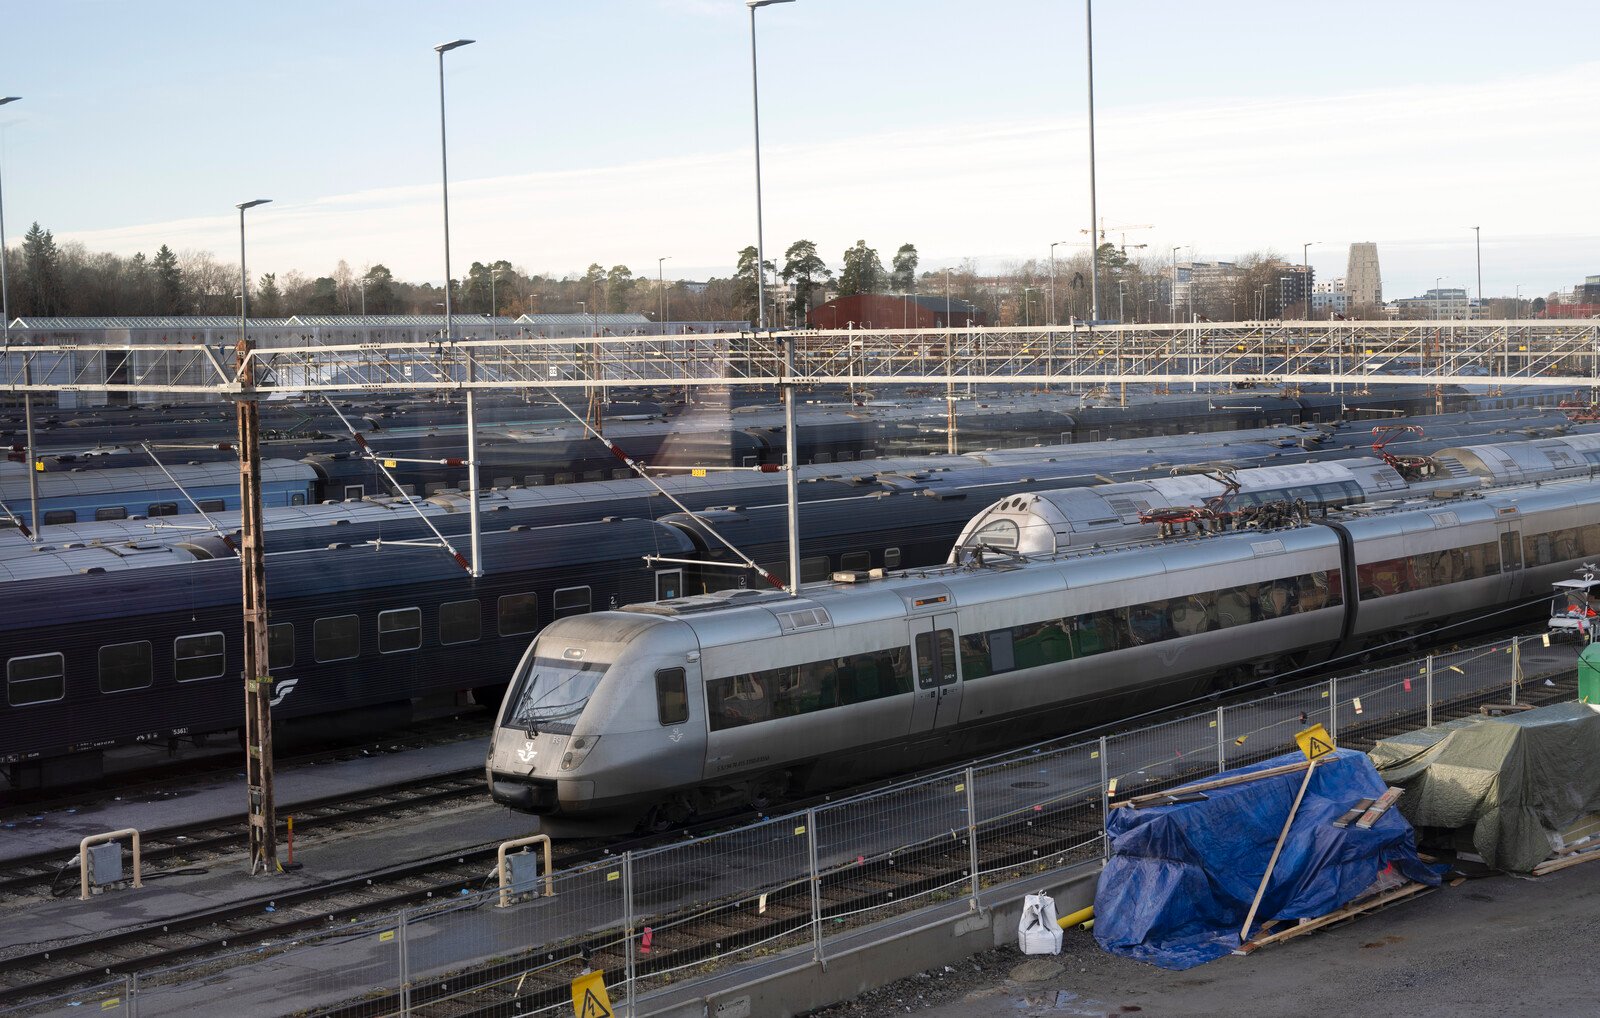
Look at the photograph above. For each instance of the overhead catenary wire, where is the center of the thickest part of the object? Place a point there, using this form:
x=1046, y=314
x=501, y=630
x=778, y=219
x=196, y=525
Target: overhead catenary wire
x=190, y=498
x=367, y=451
x=643, y=472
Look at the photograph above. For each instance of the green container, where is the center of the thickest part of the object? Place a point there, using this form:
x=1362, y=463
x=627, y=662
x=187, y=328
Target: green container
x=1589, y=674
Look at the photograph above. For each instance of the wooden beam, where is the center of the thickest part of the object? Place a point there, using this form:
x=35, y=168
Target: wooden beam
x=1206, y=786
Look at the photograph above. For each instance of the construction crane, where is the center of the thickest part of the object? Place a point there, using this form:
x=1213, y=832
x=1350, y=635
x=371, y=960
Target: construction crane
x=1122, y=233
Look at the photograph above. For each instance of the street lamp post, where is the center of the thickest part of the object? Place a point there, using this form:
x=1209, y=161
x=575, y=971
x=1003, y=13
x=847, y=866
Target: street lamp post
x=262, y=808
x=1516, y=303
x=1438, y=297
x=1305, y=264
x=1477, y=242
x=662, y=286
x=1053, y=247
x=449, y=326
x=1172, y=310
x=1094, y=215
x=34, y=519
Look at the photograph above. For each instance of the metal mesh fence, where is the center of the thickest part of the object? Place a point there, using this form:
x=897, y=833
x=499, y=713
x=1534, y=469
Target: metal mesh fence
x=113, y=997
x=1160, y=756
x=1042, y=810
x=1266, y=727
x=1379, y=702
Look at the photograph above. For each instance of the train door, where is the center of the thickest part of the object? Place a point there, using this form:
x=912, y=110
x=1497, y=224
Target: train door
x=933, y=645
x=1511, y=561
x=669, y=584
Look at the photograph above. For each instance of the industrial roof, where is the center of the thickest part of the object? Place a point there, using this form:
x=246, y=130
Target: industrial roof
x=144, y=322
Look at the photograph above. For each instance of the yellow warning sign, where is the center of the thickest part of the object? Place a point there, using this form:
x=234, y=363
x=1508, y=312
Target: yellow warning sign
x=1314, y=742
x=697, y=472
x=589, y=998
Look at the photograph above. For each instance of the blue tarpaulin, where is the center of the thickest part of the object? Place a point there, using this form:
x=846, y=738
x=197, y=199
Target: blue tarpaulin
x=1181, y=877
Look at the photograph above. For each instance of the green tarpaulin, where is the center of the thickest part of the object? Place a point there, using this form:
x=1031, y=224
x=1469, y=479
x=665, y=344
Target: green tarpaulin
x=1508, y=785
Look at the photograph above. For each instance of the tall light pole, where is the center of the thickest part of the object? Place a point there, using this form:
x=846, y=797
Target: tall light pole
x=755, y=104
x=1438, y=296
x=662, y=286
x=34, y=519
x=1305, y=263
x=1516, y=303
x=1094, y=215
x=1027, y=316
x=476, y=566
x=1477, y=242
x=1053, y=280
x=1172, y=310
x=263, y=819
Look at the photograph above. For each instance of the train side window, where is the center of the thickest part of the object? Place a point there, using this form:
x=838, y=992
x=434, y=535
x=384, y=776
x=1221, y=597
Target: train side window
x=280, y=646
x=355, y=491
x=672, y=696
x=37, y=678
x=60, y=517
x=212, y=505
x=891, y=558
x=111, y=512
x=202, y=656
x=519, y=613
x=337, y=638
x=297, y=498
x=460, y=622
x=399, y=629
x=571, y=601
x=814, y=569
x=124, y=666
x=855, y=560
x=155, y=509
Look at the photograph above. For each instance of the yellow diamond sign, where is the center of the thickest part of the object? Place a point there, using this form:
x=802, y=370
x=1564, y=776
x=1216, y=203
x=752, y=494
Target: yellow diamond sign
x=1315, y=742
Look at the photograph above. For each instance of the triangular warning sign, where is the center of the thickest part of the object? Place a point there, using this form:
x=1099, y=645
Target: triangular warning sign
x=592, y=1007
x=589, y=998
x=1315, y=742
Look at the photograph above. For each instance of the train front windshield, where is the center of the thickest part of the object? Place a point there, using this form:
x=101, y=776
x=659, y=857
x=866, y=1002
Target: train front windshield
x=551, y=693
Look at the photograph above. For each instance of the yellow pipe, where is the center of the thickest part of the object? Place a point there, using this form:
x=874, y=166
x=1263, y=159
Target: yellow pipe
x=1078, y=918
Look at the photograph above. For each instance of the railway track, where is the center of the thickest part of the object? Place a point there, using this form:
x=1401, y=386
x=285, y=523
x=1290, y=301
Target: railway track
x=24, y=878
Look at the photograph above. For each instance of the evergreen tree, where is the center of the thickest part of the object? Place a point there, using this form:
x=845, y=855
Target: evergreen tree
x=903, y=276
x=41, y=273
x=269, y=299
x=804, y=269
x=863, y=271
x=744, y=284
x=169, y=283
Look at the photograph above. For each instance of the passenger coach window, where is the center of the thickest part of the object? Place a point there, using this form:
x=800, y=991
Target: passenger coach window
x=280, y=646
x=199, y=657
x=814, y=569
x=155, y=509
x=672, y=696
x=211, y=505
x=399, y=630
x=60, y=517
x=519, y=613
x=748, y=698
x=111, y=512
x=571, y=601
x=891, y=558
x=336, y=639
x=124, y=666
x=460, y=622
x=39, y=678
x=855, y=560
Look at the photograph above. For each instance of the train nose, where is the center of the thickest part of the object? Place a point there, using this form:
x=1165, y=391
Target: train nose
x=528, y=794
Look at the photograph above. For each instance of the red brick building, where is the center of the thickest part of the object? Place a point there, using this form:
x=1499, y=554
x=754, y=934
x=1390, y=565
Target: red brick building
x=893, y=311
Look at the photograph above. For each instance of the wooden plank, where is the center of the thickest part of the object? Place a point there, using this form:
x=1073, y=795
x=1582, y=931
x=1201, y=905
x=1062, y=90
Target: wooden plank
x=1379, y=808
x=1206, y=786
x=1347, y=912
x=1244, y=931
x=1349, y=816
x=1552, y=865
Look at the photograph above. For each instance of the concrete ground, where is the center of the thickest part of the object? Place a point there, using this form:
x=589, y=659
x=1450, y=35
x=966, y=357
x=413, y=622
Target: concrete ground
x=1503, y=946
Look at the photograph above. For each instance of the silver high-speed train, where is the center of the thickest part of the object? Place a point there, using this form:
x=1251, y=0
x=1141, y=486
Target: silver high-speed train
x=659, y=711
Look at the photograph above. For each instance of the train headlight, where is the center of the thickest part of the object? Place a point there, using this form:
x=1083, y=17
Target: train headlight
x=577, y=749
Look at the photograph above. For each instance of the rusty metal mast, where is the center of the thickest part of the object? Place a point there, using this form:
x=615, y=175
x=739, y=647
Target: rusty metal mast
x=257, y=669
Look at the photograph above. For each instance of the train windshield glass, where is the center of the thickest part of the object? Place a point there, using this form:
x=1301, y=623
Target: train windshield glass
x=554, y=691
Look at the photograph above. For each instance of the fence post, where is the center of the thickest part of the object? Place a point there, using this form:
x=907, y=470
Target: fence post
x=629, y=960
x=402, y=942
x=1333, y=707
x=1222, y=744
x=816, y=889
x=130, y=995
x=1516, y=668
x=972, y=834
x=1105, y=799
x=1428, y=687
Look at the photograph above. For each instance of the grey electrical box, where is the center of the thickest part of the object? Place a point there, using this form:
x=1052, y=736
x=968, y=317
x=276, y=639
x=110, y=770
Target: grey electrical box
x=523, y=869
x=105, y=862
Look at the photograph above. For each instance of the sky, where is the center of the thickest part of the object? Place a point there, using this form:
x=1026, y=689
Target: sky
x=619, y=132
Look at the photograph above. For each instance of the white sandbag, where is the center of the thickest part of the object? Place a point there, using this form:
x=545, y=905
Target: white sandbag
x=1037, y=931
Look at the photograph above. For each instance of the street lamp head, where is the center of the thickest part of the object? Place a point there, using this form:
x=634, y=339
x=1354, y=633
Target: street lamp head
x=753, y=4
x=448, y=46
x=252, y=204
x=9, y=99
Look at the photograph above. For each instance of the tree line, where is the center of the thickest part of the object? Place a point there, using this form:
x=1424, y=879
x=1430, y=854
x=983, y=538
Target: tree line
x=51, y=279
